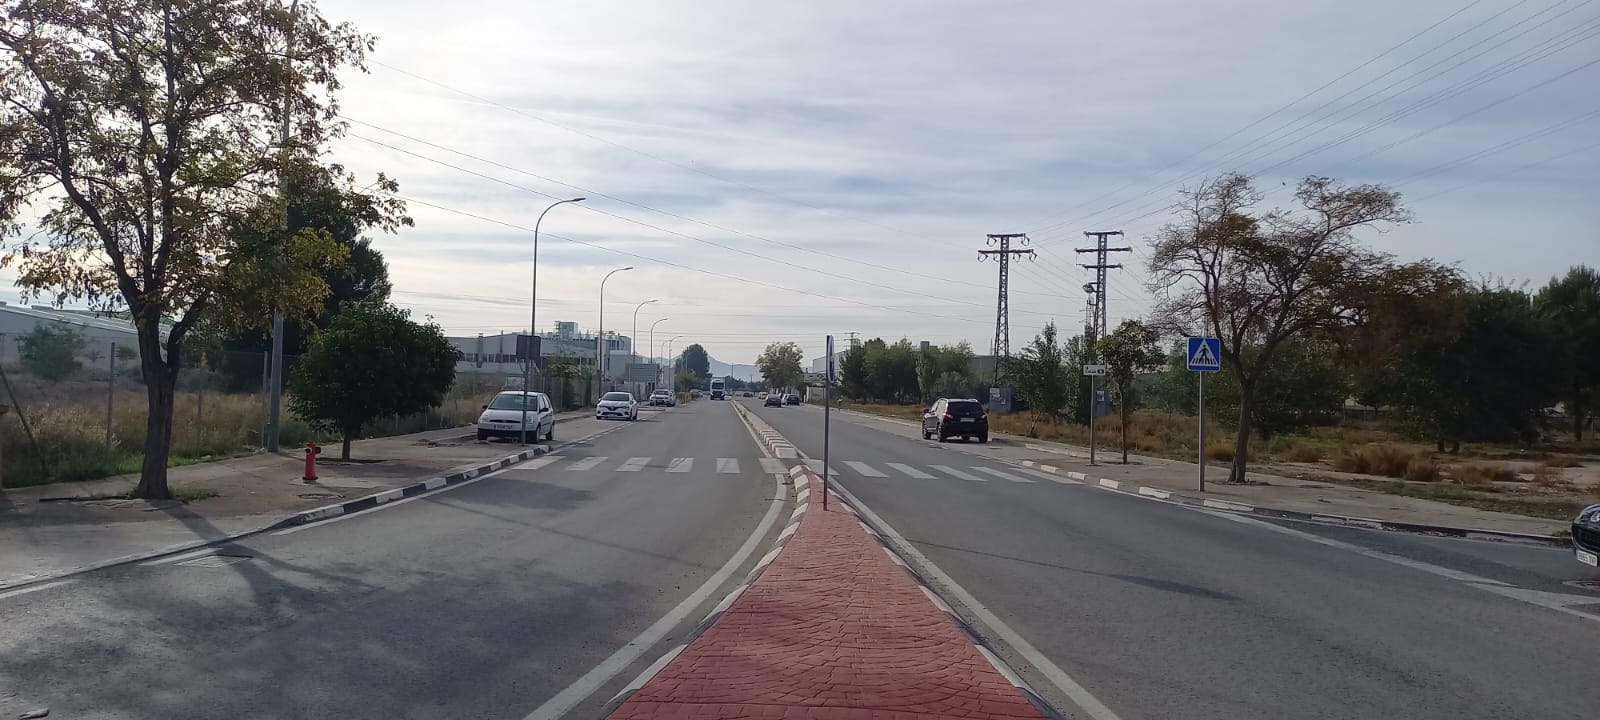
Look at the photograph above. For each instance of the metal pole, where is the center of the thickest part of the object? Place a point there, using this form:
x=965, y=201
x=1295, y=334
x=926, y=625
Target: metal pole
x=633, y=339
x=266, y=364
x=111, y=390
x=533, y=316
x=275, y=392
x=827, y=417
x=651, y=348
x=1202, y=408
x=1094, y=403
x=600, y=336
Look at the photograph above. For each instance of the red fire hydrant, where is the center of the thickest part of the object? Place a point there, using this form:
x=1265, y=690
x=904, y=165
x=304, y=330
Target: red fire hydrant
x=312, y=451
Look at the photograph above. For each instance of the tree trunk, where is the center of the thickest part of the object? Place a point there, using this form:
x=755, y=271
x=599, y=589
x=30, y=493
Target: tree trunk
x=344, y=449
x=1577, y=414
x=160, y=381
x=1241, y=444
x=1124, y=414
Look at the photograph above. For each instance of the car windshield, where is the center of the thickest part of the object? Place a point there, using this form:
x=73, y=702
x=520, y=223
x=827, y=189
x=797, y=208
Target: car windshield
x=617, y=397
x=516, y=401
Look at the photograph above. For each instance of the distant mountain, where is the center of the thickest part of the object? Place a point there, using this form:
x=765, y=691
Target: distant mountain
x=741, y=372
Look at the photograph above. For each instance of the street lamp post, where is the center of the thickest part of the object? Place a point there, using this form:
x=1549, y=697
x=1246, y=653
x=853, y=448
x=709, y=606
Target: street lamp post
x=533, y=318
x=633, y=338
x=651, y=346
x=672, y=367
x=600, y=336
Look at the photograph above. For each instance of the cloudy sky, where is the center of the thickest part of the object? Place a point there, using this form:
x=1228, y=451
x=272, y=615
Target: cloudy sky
x=780, y=171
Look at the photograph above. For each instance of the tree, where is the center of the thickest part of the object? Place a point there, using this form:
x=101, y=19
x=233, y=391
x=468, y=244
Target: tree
x=945, y=371
x=1303, y=386
x=372, y=361
x=1128, y=351
x=563, y=370
x=892, y=371
x=780, y=365
x=697, y=362
x=1177, y=387
x=1572, y=304
x=323, y=198
x=853, y=373
x=51, y=351
x=1255, y=281
x=143, y=131
x=1040, y=376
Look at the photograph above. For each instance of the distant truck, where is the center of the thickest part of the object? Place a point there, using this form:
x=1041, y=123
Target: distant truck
x=719, y=389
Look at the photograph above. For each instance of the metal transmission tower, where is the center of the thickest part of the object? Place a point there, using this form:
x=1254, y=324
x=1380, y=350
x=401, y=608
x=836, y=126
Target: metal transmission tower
x=1097, y=289
x=1002, y=313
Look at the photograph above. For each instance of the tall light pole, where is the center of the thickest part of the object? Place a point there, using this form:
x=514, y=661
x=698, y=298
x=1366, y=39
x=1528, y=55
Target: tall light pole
x=275, y=393
x=633, y=338
x=533, y=318
x=600, y=335
x=651, y=346
x=672, y=369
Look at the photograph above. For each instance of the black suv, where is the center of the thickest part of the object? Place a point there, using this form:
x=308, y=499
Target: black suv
x=955, y=418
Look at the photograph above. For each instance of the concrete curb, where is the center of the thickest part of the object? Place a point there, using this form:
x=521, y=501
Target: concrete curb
x=784, y=536
x=1324, y=518
x=770, y=439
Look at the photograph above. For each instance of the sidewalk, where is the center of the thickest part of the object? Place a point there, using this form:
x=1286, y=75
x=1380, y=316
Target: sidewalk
x=1268, y=491
x=833, y=628
x=49, y=530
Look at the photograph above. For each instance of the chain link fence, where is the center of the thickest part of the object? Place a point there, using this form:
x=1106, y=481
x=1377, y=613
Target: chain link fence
x=78, y=410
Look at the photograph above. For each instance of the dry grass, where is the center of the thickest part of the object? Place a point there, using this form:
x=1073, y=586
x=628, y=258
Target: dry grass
x=1561, y=461
x=1549, y=476
x=1302, y=453
x=1480, y=474
x=1595, y=490
x=1384, y=460
x=1421, y=468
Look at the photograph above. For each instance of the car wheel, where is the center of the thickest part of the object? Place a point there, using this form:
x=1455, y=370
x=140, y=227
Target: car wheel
x=550, y=435
x=925, y=434
x=483, y=436
x=983, y=438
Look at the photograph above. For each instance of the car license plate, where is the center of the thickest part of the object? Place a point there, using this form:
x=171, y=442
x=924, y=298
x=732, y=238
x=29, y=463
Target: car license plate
x=968, y=419
x=1587, y=558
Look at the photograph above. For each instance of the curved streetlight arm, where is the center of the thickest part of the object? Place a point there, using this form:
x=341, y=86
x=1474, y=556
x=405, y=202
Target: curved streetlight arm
x=533, y=315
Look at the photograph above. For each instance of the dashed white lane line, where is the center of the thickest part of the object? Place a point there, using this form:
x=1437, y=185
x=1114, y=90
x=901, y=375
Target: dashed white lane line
x=958, y=474
x=1003, y=475
x=910, y=471
x=587, y=463
x=728, y=466
x=865, y=469
x=678, y=465
x=771, y=465
x=633, y=464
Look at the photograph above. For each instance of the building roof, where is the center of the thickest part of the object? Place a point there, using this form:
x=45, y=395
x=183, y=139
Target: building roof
x=87, y=319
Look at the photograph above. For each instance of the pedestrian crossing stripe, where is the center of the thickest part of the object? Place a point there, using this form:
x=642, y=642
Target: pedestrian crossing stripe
x=865, y=469
x=1003, y=475
x=946, y=469
x=774, y=466
x=633, y=464
x=731, y=466
x=679, y=465
x=587, y=463
x=910, y=471
x=728, y=466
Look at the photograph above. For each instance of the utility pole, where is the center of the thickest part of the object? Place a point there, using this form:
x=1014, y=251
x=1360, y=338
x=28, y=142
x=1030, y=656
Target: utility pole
x=275, y=392
x=1100, y=267
x=1002, y=312
x=1097, y=299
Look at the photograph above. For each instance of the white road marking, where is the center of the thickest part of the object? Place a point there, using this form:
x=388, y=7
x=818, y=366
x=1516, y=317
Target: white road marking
x=957, y=473
x=728, y=465
x=1074, y=691
x=402, y=501
x=32, y=588
x=1003, y=475
x=772, y=465
x=1051, y=478
x=678, y=465
x=587, y=463
x=816, y=467
x=865, y=469
x=911, y=471
x=633, y=464
x=537, y=463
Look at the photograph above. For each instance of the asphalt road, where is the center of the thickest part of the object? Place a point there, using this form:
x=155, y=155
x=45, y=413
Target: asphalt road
x=484, y=601
x=1162, y=611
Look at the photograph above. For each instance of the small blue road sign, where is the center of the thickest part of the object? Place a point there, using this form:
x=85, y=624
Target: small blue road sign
x=1205, y=354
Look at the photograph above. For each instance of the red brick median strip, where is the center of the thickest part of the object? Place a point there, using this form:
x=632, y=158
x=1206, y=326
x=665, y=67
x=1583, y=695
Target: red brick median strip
x=832, y=629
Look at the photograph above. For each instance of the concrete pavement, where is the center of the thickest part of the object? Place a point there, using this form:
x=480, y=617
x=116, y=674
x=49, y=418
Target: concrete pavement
x=549, y=581
x=1157, y=610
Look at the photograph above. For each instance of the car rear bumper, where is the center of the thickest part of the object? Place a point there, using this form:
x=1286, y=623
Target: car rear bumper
x=961, y=428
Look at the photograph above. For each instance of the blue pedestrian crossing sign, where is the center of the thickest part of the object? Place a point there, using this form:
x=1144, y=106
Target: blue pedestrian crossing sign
x=1205, y=354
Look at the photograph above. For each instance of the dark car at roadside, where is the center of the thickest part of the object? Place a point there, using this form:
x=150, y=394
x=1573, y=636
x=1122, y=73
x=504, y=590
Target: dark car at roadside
x=773, y=400
x=950, y=417
x=1586, y=536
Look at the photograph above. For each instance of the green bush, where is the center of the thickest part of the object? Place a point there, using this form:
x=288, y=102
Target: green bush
x=51, y=352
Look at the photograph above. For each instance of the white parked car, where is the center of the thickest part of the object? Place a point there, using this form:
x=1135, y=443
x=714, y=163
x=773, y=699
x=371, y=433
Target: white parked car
x=503, y=416
x=617, y=405
x=663, y=397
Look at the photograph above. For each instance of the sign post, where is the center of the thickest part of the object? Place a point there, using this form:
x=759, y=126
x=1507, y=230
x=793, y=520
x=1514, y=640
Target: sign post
x=827, y=414
x=1205, y=356
x=1093, y=371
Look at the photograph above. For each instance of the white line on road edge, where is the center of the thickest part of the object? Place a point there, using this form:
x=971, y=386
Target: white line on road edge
x=1075, y=692
x=603, y=673
x=1549, y=600
x=179, y=557
x=32, y=588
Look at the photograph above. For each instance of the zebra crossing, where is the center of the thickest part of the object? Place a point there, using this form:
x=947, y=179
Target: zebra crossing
x=768, y=465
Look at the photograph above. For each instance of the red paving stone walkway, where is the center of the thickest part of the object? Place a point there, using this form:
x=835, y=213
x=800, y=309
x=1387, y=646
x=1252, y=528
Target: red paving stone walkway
x=832, y=629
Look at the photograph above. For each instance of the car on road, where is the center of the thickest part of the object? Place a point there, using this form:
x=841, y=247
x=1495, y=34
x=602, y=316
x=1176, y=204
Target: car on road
x=1586, y=536
x=617, y=405
x=773, y=400
x=791, y=399
x=502, y=417
x=663, y=398
x=761, y=395
x=747, y=393
x=948, y=418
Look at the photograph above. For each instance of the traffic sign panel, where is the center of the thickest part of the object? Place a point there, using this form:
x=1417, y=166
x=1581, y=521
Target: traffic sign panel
x=1205, y=354
x=1094, y=370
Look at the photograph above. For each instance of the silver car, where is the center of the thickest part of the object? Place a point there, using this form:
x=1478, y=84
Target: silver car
x=503, y=416
x=620, y=405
